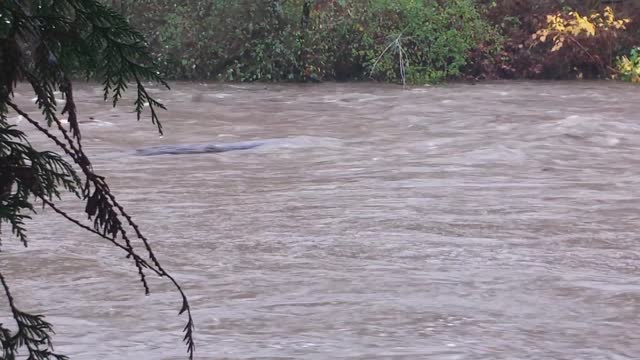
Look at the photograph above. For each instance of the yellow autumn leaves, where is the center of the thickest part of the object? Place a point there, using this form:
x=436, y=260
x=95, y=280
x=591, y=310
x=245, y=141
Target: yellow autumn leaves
x=630, y=69
x=573, y=27
x=561, y=27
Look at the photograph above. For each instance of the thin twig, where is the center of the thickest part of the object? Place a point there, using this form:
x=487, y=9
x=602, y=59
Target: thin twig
x=43, y=130
x=81, y=159
x=397, y=43
x=108, y=238
x=380, y=57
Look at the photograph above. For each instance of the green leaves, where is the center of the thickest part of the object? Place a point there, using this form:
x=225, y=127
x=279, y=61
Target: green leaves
x=628, y=68
x=273, y=40
x=436, y=42
x=6, y=20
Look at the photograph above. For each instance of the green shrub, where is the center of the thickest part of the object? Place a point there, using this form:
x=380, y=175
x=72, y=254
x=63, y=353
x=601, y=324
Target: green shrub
x=433, y=39
x=629, y=67
x=273, y=40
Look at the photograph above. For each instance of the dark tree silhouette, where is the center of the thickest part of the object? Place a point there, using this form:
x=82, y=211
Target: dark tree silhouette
x=46, y=43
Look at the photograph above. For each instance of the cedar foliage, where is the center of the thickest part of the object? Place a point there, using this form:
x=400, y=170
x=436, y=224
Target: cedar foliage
x=45, y=43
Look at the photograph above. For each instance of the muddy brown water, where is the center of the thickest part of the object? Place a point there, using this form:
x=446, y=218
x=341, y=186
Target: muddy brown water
x=495, y=221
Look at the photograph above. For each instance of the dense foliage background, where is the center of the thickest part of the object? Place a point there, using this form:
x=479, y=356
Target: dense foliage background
x=389, y=40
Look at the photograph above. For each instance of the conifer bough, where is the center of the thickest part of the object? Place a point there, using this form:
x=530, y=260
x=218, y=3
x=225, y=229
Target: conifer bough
x=46, y=43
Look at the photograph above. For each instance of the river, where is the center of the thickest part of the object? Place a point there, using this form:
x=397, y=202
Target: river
x=489, y=221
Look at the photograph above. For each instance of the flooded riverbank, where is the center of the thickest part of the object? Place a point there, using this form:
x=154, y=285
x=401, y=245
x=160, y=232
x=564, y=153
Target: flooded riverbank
x=495, y=221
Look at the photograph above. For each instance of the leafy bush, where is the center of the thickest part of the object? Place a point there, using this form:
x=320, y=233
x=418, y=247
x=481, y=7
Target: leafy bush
x=389, y=40
x=578, y=39
x=629, y=67
x=524, y=57
x=432, y=40
x=272, y=40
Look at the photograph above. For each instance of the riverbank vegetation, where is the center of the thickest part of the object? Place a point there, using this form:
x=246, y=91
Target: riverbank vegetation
x=418, y=41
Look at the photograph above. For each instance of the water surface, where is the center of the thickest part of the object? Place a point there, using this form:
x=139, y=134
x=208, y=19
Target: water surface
x=495, y=221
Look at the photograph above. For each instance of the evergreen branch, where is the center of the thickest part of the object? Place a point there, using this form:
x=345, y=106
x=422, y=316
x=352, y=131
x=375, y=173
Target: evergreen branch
x=112, y=240
x=46, y=43
x=109, y=221
x=33, y=333
x=70, y=108
x=44, y=131
x=101, y=203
